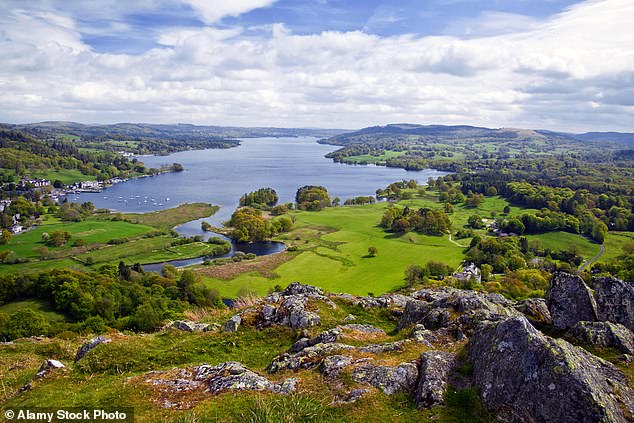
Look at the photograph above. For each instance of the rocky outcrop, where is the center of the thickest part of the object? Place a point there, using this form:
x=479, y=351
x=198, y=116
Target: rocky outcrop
x=401, y=378
x=46, y=368
x=453, y=308
x=328, y=337
x=228, y=376
x=525, y=376
x=89, y=345
x=382, y=348
x=615, y=301
x=535, y=310
x=289, y=307
x=233, y=323
x=433, y=375
x=423, y=336
x=332, y=365
x=605, y=334
x=570, y=301
x=308, y=358
x=189, y=326
x=233, y=376
x=363, y=328
x=351, y=397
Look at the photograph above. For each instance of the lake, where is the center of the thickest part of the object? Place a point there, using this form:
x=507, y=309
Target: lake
x=220, y=177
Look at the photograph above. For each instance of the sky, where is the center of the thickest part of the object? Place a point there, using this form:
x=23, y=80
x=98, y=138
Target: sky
x=541, y=64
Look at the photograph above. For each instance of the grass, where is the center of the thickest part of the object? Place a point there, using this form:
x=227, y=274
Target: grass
x=38, y=305
x=333, y=246
x=41, y=265
x=562, y=241
x=367, y=158
x=614, y=242
x=67, y=176
x=169, y=218
x=115, y=374
x=91, y=231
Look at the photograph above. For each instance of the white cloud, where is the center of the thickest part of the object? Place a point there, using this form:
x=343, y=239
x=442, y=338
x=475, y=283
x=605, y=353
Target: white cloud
x=214, y=10
x=574, y=71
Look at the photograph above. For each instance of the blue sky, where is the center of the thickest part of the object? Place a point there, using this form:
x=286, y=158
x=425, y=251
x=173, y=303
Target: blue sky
x=556, y=64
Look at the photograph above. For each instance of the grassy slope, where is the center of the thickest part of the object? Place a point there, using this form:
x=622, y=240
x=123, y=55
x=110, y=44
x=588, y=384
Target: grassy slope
x=167, y=219
x=614, y=243
x=40, y=306
x=114, y=374
x=563, y=240
x=97, y=231
x=91, y=231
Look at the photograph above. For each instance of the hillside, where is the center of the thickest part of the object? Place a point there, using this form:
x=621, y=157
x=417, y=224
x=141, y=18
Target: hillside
x=442, y=355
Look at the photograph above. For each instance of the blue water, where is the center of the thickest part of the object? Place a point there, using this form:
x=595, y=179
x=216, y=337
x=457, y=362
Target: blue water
x=220, y=177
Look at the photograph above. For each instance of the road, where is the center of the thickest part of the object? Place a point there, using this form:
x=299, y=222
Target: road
x=593, y=259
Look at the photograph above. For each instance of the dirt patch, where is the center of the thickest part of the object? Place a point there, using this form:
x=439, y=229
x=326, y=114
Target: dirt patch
x=264, y=265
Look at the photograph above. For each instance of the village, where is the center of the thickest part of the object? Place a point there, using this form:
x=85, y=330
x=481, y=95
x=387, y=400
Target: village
x=57, y=194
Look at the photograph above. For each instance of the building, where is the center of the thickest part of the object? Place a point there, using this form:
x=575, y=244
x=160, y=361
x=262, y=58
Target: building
x=468, y=272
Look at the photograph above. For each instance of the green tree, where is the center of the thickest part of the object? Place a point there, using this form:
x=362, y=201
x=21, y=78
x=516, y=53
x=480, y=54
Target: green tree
x=372, y=251
x=5, y=237
x=25, y=322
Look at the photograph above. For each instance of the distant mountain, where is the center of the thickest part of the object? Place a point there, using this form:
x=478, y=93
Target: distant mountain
x=430, y=132
x=404, y=131
x=170, y=131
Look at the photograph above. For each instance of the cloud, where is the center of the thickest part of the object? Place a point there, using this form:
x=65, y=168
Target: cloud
x=573, y=71
x=213, y=11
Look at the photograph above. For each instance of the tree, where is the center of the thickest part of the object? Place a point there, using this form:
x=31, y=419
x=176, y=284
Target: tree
x=474, y=200
x=506, y=210
x=58, y=238
x=415, y=274
x=312, y=197
x=372, y=251
x=5, y=237
x=25, y=322
x=599, y=231
x=475, y=221
x=491, y=191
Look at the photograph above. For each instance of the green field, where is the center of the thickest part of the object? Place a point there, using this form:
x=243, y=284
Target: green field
x=562, y=241
x=368, y=158
x=169, y=218
x=333, y=247
x=614, y=242
x=67, y=176
x=91, y=231
x=40, y=306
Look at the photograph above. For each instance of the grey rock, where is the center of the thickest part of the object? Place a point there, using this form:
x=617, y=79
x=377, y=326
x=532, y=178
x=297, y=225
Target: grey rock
x=189, y=326
x=535, y=310
x=332, y=365
x=605, y=334
x=434, y=308
x=414, y=312
x=570, y=301
x=351, y=397
x=423, y=336
x=296, y=288
x=382, y=348
x=233, y=376
x=615, y=301
x=89, y=345
x=47, y=367
x=308, y=358
x=363, y=328
x=294, y=314
x=401, y=378
x=233, y=323
x=330, y=336
x=433, y=375
x=349, y=318
x=525, y=376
